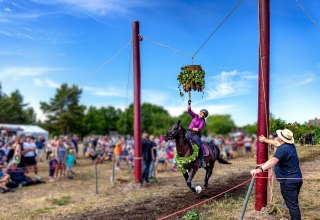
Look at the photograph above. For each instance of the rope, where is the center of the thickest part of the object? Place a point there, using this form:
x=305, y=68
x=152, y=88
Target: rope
x=170, y=48
x=218, y=27
x=127, y=94
x=306, y=13
x=92, y=74
x=206, y=200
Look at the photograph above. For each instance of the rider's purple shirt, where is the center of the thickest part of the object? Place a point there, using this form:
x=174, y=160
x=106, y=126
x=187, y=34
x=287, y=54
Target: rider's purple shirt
x=196, y=121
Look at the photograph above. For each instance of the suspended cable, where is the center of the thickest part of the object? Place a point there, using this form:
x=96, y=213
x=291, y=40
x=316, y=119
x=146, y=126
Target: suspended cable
x=170, y=48
x=91, y=75
x=218, y=27
x=127, y=93
x=306, y=13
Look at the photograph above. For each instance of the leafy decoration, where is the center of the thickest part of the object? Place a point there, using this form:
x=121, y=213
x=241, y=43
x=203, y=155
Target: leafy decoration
x=191, y=78
x=182, y=161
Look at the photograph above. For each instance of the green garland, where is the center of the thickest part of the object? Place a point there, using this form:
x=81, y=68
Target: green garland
x=182, y=161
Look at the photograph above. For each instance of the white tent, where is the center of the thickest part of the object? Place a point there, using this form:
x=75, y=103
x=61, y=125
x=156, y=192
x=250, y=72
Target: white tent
x=34, y=130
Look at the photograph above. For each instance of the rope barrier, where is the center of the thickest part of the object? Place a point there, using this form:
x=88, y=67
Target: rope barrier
x=206, y=200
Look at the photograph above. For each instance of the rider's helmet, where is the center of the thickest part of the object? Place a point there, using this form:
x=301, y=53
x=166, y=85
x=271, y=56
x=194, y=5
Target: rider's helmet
x=205, y=112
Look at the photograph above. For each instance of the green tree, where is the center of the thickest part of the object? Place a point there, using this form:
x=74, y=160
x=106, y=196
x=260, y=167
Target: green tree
x=64, y=113
x=220, y=124
x=250, y=128
x=275, y=123
x=14, y=110
x=154, y=118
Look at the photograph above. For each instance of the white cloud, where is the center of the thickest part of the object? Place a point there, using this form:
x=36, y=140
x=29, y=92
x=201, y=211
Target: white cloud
x=106, y=92
x=46, y=83
x=305, y=79
x=19, y=72
x=7, y=9
x=232, y=83
x=98, y=7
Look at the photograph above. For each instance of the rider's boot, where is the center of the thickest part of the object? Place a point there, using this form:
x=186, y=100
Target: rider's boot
x=202, y=162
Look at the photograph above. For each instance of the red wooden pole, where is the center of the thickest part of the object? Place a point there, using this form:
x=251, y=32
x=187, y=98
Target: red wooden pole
x=137, y=103
x=263, y=100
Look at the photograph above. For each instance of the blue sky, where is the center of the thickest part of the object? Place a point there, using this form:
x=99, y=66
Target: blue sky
x=48, y=42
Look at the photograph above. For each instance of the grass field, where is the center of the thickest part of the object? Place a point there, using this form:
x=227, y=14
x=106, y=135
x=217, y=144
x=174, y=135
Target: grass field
x=77, y=198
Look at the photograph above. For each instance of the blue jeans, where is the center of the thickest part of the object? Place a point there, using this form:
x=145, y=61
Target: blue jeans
x=290, y=193
x=151, y=170
x=145, y=170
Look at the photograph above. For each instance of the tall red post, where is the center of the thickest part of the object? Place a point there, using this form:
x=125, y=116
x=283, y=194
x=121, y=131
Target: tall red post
x=263, y=100
x=137, y=103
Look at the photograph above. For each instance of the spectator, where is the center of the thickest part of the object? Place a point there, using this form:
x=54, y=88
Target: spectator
x=18, y=176
x=248, y=145
x=117, y=152
x=4, y=180
x=287, y=169
x=162, y=157
x=70, y=163
x=154, y=157
x=52, y=167
x=86, y=141
x=240, y=146
x=75, y=141
x=61, y=156
x=146, y=156
x=170, y=157
x=2, y=141
x=3, y=157
x=40, y=144
x=28, y=156
x=91, y=152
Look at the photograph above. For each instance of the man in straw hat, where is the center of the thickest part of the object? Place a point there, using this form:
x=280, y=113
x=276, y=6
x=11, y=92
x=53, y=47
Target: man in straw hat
x=287, y=169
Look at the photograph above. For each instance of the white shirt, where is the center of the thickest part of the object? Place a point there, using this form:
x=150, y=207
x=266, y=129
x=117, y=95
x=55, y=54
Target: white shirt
x=30, y=145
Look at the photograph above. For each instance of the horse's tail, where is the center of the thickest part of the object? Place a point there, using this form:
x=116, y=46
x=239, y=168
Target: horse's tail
x=217, y=152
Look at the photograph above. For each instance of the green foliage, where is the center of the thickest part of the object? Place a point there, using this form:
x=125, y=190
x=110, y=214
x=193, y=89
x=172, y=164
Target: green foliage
x=220, y=124
x=192, y=215
x=276, y=123
x=64, y=112
x=191, y=77
x=250, y=128
x=13, y=110
x=64, y=200
x=182, y=161
x=155, y=119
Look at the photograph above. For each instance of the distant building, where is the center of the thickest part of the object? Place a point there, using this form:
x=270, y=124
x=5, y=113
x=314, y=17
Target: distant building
x=314, y=122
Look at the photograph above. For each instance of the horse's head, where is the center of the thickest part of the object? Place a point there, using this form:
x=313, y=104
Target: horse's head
x=173, y=131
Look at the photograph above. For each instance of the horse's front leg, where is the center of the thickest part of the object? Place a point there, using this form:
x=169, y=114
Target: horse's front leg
x=191, y=174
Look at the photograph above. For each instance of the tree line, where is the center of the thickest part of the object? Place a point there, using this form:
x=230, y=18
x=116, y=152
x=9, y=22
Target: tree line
x=65, y=114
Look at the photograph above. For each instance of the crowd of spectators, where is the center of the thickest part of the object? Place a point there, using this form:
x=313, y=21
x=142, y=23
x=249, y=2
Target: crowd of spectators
x=19, y=156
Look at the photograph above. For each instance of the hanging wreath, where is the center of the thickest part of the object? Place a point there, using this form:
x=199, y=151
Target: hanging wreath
x=191, y=78
x=182, y=161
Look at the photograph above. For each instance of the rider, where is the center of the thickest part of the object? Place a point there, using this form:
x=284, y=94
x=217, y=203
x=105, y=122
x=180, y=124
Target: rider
x=195, y=127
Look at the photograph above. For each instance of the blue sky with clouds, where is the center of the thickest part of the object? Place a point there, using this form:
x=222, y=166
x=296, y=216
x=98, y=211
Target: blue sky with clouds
x=48, y=42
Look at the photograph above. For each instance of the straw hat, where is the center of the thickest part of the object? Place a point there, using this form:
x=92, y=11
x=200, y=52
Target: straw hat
x=286, y=135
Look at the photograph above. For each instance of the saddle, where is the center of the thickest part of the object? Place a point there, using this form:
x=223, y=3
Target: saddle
x=204, y=148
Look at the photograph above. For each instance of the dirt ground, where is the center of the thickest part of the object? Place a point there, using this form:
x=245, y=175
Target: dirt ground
x=76, y=199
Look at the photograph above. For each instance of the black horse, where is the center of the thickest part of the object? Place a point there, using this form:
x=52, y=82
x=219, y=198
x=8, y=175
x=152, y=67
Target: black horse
x=184, y=149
